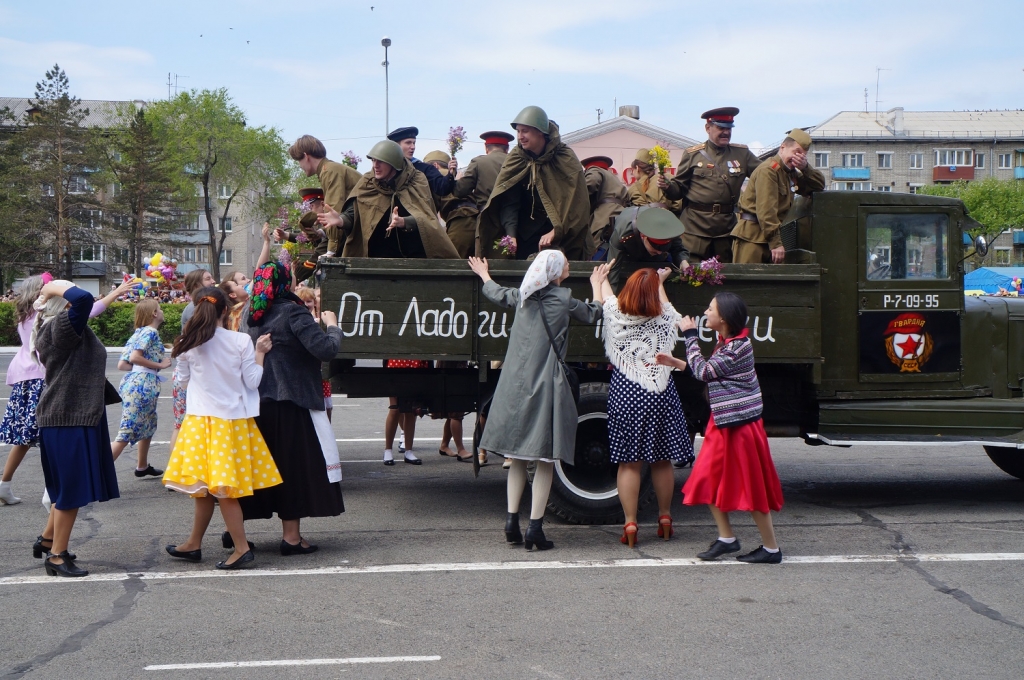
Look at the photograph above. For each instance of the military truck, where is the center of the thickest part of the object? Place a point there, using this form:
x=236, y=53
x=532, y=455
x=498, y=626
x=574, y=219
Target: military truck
x=863, y=336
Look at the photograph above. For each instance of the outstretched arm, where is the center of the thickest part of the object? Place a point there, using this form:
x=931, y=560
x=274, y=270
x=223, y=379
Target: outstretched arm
x=265, y=252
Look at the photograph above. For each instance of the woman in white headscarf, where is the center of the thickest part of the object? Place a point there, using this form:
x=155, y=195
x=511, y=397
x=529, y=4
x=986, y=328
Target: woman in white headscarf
x=533, y=413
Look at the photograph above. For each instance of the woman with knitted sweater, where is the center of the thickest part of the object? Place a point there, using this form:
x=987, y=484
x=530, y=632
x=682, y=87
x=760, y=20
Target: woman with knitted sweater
x=645, y=417
x=734, y=470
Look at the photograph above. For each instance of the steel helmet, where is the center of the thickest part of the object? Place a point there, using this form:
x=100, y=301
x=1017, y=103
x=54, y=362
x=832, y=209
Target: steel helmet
x=388, y=152
x=534, y=116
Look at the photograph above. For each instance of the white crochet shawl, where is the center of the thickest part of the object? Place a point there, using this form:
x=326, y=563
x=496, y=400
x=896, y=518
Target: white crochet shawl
x=631, y=343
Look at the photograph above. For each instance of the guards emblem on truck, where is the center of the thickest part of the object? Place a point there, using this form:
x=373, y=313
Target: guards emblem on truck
x=907, y=343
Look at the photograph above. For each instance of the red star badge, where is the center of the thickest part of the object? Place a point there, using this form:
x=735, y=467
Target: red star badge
x=909, y=347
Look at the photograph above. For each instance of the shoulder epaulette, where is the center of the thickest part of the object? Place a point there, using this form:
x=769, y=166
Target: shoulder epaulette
x=740, y=146
x=775, y=165
x=694, y=148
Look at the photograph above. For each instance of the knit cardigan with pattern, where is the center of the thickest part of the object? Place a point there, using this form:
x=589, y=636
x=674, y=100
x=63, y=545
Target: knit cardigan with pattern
x=729, y=372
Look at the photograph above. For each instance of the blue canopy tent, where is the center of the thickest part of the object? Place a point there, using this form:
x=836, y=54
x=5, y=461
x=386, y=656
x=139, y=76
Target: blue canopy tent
x=990, y=279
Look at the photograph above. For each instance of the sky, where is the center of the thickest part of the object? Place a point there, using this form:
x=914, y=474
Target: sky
x=314, y=67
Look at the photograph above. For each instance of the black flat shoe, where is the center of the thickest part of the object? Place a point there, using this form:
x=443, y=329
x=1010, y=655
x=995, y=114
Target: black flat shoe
x=229, y=543
x=535, y=536
x=38, y=549
x=761, y=556
x=67, y=569
x=412, y=461
x=187, y=555
x=389, y=461
x=718, y=549
x=297, y=549
x=244, y=562
x=513, y=534
x=464, y=459
x=150, y=471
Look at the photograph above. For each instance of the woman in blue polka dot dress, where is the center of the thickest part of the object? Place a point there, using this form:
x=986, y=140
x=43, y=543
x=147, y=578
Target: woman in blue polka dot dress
x=645, y=417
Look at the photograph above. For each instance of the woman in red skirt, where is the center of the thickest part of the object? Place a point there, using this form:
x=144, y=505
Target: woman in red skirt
x=734, y=470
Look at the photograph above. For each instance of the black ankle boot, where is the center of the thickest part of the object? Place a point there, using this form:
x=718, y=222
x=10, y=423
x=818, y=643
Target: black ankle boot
x=513, y=534
x=535, y=536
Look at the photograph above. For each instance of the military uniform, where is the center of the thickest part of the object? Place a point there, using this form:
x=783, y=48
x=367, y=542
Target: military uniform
x=645, y=190
x=608, y=197
x=708, y=180
x=337, y=180
x=626, y=245
x=768, y=196
x=472, y=191
x=440, y=184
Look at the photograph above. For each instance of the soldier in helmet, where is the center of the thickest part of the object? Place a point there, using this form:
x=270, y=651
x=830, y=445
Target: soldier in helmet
x=540, y=197
x=645, y=190
x=337, y=179
x=474, y=188
x=440, y=184
x=390, y=212
x=608, y=196
x=645, y=234
x=769, y=196
x=708, y=180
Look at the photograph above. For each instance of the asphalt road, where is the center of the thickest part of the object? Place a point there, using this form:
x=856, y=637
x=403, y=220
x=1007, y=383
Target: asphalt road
x=900, y=562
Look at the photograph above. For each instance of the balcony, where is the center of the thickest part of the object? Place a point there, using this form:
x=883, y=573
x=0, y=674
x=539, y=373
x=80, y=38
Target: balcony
x=851, y=173
x=951, y=173
x=1018, y=237
x=1018, y=173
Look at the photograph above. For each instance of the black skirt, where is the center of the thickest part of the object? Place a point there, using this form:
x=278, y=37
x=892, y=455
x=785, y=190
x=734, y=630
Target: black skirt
x=306, y=492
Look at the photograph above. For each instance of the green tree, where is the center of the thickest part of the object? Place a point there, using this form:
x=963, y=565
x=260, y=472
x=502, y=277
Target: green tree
x=996, y=203
x=20, y=205
x=57, y=157
x=225, y=161
x=142, y=178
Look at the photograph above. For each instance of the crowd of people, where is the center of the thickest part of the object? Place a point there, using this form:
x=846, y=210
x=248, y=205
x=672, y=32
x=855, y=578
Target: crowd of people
x=252, y=431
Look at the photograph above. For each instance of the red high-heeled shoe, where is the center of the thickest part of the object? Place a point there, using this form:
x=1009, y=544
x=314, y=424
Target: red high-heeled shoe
x=629, y=537
x=665, y=530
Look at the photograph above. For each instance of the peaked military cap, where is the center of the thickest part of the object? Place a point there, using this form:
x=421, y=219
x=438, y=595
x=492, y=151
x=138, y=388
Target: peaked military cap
x=659, y=224
x=312, y=194
x=399, y=134
x=308, y=220
x=800, y=137
x=497, y=137
x=599, y=161
x=722, y=117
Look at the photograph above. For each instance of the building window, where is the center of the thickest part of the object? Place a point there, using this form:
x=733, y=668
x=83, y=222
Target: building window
x=885, y=160
x=48, y=188
x=1005, y=161
x=915, y=188
x=120, y=256
x=115, y=189
x=195, y=255
x=91, y=254
x=91, y=218
x=226, y=256
x=853, y=160
x=821, y=159
x=78, y=184
x=952, y=157
x=851, y=186
x=917, y=161
x=884, y=187
x=1003, y=256
x=979, y=160
x=223, y=191
x=225, y=224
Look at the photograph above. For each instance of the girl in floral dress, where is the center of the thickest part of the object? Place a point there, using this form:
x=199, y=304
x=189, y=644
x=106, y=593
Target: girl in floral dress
x=143, y=357
x=220, y=451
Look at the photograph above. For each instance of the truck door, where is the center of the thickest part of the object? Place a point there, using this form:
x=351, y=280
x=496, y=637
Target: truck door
x=910, y=296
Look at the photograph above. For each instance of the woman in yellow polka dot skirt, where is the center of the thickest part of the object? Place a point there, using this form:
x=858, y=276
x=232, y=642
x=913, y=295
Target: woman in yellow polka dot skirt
x=220, y=451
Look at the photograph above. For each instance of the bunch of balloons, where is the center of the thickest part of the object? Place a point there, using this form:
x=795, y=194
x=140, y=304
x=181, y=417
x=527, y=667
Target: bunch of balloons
x=139, y=286
x=160, y=269
x=1017, y=283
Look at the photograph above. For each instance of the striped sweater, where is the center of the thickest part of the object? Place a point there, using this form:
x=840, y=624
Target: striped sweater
x=732, y=383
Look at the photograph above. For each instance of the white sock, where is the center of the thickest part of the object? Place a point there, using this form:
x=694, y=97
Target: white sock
x=388, y=455
x=5, y=485
x=771, y=550
x=410, y=455
x=727, y=540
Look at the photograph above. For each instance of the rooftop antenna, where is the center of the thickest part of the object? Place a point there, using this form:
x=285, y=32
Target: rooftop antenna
x=599, y=112
x=616, y=109
x=878, y=78
x=176, y=76
x=865, y=100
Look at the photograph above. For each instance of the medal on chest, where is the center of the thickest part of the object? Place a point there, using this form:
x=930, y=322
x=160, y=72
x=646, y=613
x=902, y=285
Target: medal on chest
x=734, y=167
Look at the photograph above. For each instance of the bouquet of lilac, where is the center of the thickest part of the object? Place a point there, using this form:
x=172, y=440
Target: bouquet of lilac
x=456, y=138
x=708, y=271
x=506, y=245
x=350, y=159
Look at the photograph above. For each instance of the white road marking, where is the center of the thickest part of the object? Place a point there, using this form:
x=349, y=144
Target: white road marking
x=509, y=566
x=360, y=439
x=291, y=662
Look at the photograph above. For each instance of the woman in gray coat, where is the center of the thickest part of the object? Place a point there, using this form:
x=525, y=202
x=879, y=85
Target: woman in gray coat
x=533, y=413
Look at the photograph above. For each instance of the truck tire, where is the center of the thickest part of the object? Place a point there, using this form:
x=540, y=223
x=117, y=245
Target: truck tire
x=585, y=492
x=1009, y=460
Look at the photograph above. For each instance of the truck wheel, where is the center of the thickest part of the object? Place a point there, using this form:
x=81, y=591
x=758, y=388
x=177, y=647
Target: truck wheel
x=1009, y=460
x=585, y=492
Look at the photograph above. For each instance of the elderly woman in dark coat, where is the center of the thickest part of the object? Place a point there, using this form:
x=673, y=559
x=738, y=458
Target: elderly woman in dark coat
x=292, y=416
x=533, y=413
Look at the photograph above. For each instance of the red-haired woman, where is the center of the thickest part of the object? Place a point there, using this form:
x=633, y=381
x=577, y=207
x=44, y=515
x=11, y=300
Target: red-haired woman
x=645, y=418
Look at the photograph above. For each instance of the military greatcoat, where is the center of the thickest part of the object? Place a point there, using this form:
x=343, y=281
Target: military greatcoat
x=608, y=196
x=472, y=191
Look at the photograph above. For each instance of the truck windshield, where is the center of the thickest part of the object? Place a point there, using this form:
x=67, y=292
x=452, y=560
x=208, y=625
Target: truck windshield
x=907, y=246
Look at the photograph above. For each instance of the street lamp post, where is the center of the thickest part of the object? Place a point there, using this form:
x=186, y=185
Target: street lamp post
x=386, y=42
